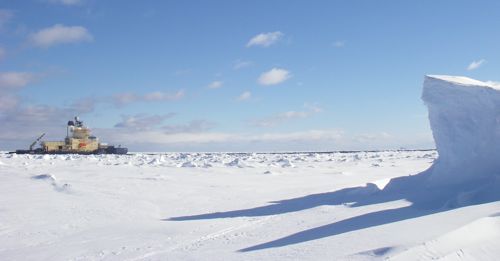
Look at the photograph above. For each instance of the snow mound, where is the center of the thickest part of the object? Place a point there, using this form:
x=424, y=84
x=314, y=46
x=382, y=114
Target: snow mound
x=468, y=242
x=52, y=179
x=464, y=115
x=206, y=165
x=45, y=177
x=285, y=163
x=236, y=163
x=44, y=157
x=188, y=164
x=155, y=162
x=381, y=183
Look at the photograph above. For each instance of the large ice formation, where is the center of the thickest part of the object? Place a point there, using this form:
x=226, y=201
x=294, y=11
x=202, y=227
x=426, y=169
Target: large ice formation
x=464, y=116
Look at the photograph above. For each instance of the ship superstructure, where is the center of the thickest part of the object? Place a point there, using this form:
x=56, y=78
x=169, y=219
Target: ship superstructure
x=78, y=141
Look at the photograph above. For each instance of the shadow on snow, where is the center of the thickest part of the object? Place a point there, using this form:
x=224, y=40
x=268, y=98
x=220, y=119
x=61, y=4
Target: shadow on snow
x=425, y=201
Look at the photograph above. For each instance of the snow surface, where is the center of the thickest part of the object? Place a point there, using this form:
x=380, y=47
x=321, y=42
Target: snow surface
x=216, y=206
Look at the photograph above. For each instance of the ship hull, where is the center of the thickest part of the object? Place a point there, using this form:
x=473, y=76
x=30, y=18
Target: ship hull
x=111, y=150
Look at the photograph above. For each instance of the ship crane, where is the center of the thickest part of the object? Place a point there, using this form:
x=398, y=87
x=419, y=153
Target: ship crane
x=36, y=141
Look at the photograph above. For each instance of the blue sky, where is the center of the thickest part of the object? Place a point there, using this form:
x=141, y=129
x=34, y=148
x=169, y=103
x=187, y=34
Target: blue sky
x=236, y=75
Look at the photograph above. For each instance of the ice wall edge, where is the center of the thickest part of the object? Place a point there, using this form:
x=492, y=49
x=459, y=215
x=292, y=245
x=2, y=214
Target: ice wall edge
x=464, y=116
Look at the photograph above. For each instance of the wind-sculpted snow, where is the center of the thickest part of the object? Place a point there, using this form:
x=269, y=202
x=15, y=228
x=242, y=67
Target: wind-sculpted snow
x=469, y=242
x=464, y=116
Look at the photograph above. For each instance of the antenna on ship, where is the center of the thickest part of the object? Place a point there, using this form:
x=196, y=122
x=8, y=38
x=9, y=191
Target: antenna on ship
x=78, y=122
x=71, y=124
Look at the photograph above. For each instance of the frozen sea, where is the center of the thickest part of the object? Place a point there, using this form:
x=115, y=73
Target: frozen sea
x=232, y=206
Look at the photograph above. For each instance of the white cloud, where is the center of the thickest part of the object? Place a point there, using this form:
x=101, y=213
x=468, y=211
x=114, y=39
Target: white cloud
x=298, y=136
x=156, y=140
x=147, y=133
x=162, y=96
x=21, y=123
x=2, y=53
x=164, y=138
x=244, y=96
x=193, y=138
x=475, y=64
x=126, y=98
x=88, y=104
x=85, y=105
x=368, y=137
x=182, y=72
x=274, y=76
x=194, y=126
x=241, y=64
x=10, y=84
x=66, y=2
x=60, y=34
x=339, y=44
x=15, y=80
x=280, y=118
x=215, y=85
x=8, y=102
x=265, y=39
x=5, y=16
x=313, y=107
x=142, y=121
x=294, y=114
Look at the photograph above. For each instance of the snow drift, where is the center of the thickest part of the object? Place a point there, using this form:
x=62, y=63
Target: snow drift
x=464, y=115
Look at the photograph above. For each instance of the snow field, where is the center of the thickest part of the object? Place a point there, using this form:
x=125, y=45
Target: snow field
x=217, y=206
